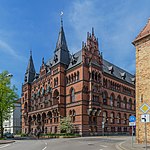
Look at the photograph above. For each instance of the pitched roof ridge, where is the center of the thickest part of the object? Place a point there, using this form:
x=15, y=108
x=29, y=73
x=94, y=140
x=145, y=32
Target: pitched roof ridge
x=143, y=33
x=118, y=67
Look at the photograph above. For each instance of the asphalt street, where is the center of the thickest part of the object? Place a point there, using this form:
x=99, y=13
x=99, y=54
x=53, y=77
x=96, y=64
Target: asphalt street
x=83, y=143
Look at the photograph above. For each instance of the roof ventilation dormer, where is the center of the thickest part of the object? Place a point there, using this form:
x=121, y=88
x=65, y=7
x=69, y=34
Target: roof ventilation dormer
x=111, y=69
x=74, y=59
x=133, y=80
x=123, y=75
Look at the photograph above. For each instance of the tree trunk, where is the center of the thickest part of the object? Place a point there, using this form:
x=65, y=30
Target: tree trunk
x=1, y=124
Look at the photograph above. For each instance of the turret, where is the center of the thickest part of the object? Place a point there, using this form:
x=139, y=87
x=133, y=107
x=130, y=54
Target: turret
x=30, y=71
x=61, y=53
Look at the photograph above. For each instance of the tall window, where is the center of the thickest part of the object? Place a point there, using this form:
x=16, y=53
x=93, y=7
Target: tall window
x=72, y=95
x=105, y=98
x=118, y=118
x=112, y=98
x=125, y=102
x=112, y=118
x=130, y=104
x=105, y=119
x=118, y=101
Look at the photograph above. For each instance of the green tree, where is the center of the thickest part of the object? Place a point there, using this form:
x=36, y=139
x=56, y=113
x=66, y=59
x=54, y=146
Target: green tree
x=65, y=125
x=7, y=98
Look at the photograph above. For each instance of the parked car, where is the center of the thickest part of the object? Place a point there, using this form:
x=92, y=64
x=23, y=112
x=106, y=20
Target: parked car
x=8, y=135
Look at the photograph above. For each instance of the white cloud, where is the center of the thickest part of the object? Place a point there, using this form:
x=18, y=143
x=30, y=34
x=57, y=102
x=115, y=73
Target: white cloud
x=6, y=48
x=115, y=25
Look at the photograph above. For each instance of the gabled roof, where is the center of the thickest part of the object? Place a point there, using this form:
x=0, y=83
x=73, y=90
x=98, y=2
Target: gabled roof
x=118, y=72
x=145, y=32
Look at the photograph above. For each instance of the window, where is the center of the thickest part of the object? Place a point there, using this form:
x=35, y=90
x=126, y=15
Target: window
x=105, y=98
x=72, y=95
x=130, y=104
x=125, y=102
x=119, y=102
x=105, y=119
x=112, y=118
x=112, y=99
x=118, y=118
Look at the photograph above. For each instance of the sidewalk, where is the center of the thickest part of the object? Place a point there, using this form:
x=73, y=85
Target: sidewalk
x=6, y=141
x=127, y=145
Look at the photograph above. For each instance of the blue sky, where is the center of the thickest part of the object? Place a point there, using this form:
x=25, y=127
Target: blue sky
x=35, y=24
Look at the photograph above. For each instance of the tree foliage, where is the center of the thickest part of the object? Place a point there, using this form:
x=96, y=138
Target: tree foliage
x=65, y=125
x=7, y=98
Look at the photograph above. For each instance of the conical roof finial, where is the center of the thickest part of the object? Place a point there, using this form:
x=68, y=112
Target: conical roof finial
x=61, y=14
x=31, y=52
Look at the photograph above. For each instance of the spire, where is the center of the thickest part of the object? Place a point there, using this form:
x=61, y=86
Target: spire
x=61, y=42
x=92, y=31
x=30, y=71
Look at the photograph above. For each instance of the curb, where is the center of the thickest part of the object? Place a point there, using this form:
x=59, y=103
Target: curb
x=6, y=142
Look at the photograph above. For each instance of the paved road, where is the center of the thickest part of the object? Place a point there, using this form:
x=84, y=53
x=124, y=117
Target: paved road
x=84, y=143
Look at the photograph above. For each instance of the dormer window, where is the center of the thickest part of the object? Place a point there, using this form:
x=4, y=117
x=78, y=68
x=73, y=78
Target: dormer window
x=123, y=75
x=133, y=80
x=111, y=69
x=56, y=58
x=73, y=59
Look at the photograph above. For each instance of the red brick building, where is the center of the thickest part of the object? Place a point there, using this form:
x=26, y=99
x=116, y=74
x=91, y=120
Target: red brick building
x=97, y=95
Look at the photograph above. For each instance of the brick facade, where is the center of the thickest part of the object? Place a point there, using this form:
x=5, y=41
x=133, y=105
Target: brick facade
x=142, y=44
x=97, y=101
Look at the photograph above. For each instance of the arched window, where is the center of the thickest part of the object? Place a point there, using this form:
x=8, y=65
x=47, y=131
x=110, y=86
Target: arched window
x=105, y=98
x=73, y=116
x=130, y=104
x=125, y=118
x=72, y=95
x=69, y=81
x=55, y=97
x=49, y=114
x=92, y=75
x=25, y=107
x=96, y=76
x=112, y=118
x=77, y=75
x=72, y=78
x=134, y=104
x=125, y=102
x=105, y=119
x=112, y=98
x=119, y=101
x=118, y=118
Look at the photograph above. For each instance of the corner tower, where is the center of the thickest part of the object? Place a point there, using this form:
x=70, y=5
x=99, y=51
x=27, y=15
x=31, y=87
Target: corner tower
x=26, y=94
x=142, y=45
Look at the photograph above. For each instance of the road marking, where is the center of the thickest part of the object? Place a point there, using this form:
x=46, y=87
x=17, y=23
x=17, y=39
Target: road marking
x=45, y=143
x=44, y=148
x=4, y=146
x=103, y=145
x=100, y=149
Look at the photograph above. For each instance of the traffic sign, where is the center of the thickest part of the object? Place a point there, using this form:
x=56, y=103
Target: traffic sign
x=132, y=118
x=144, y=108
x=145, y=118
x=132, y=123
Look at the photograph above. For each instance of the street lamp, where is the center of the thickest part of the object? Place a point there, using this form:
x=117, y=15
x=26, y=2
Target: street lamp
x=9, y=75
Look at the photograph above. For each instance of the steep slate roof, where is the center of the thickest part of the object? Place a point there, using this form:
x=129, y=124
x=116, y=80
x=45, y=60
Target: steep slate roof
x=61, y=42
x=145, y=32
x=75, y=59
x=30, y=71
x=117, y=72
